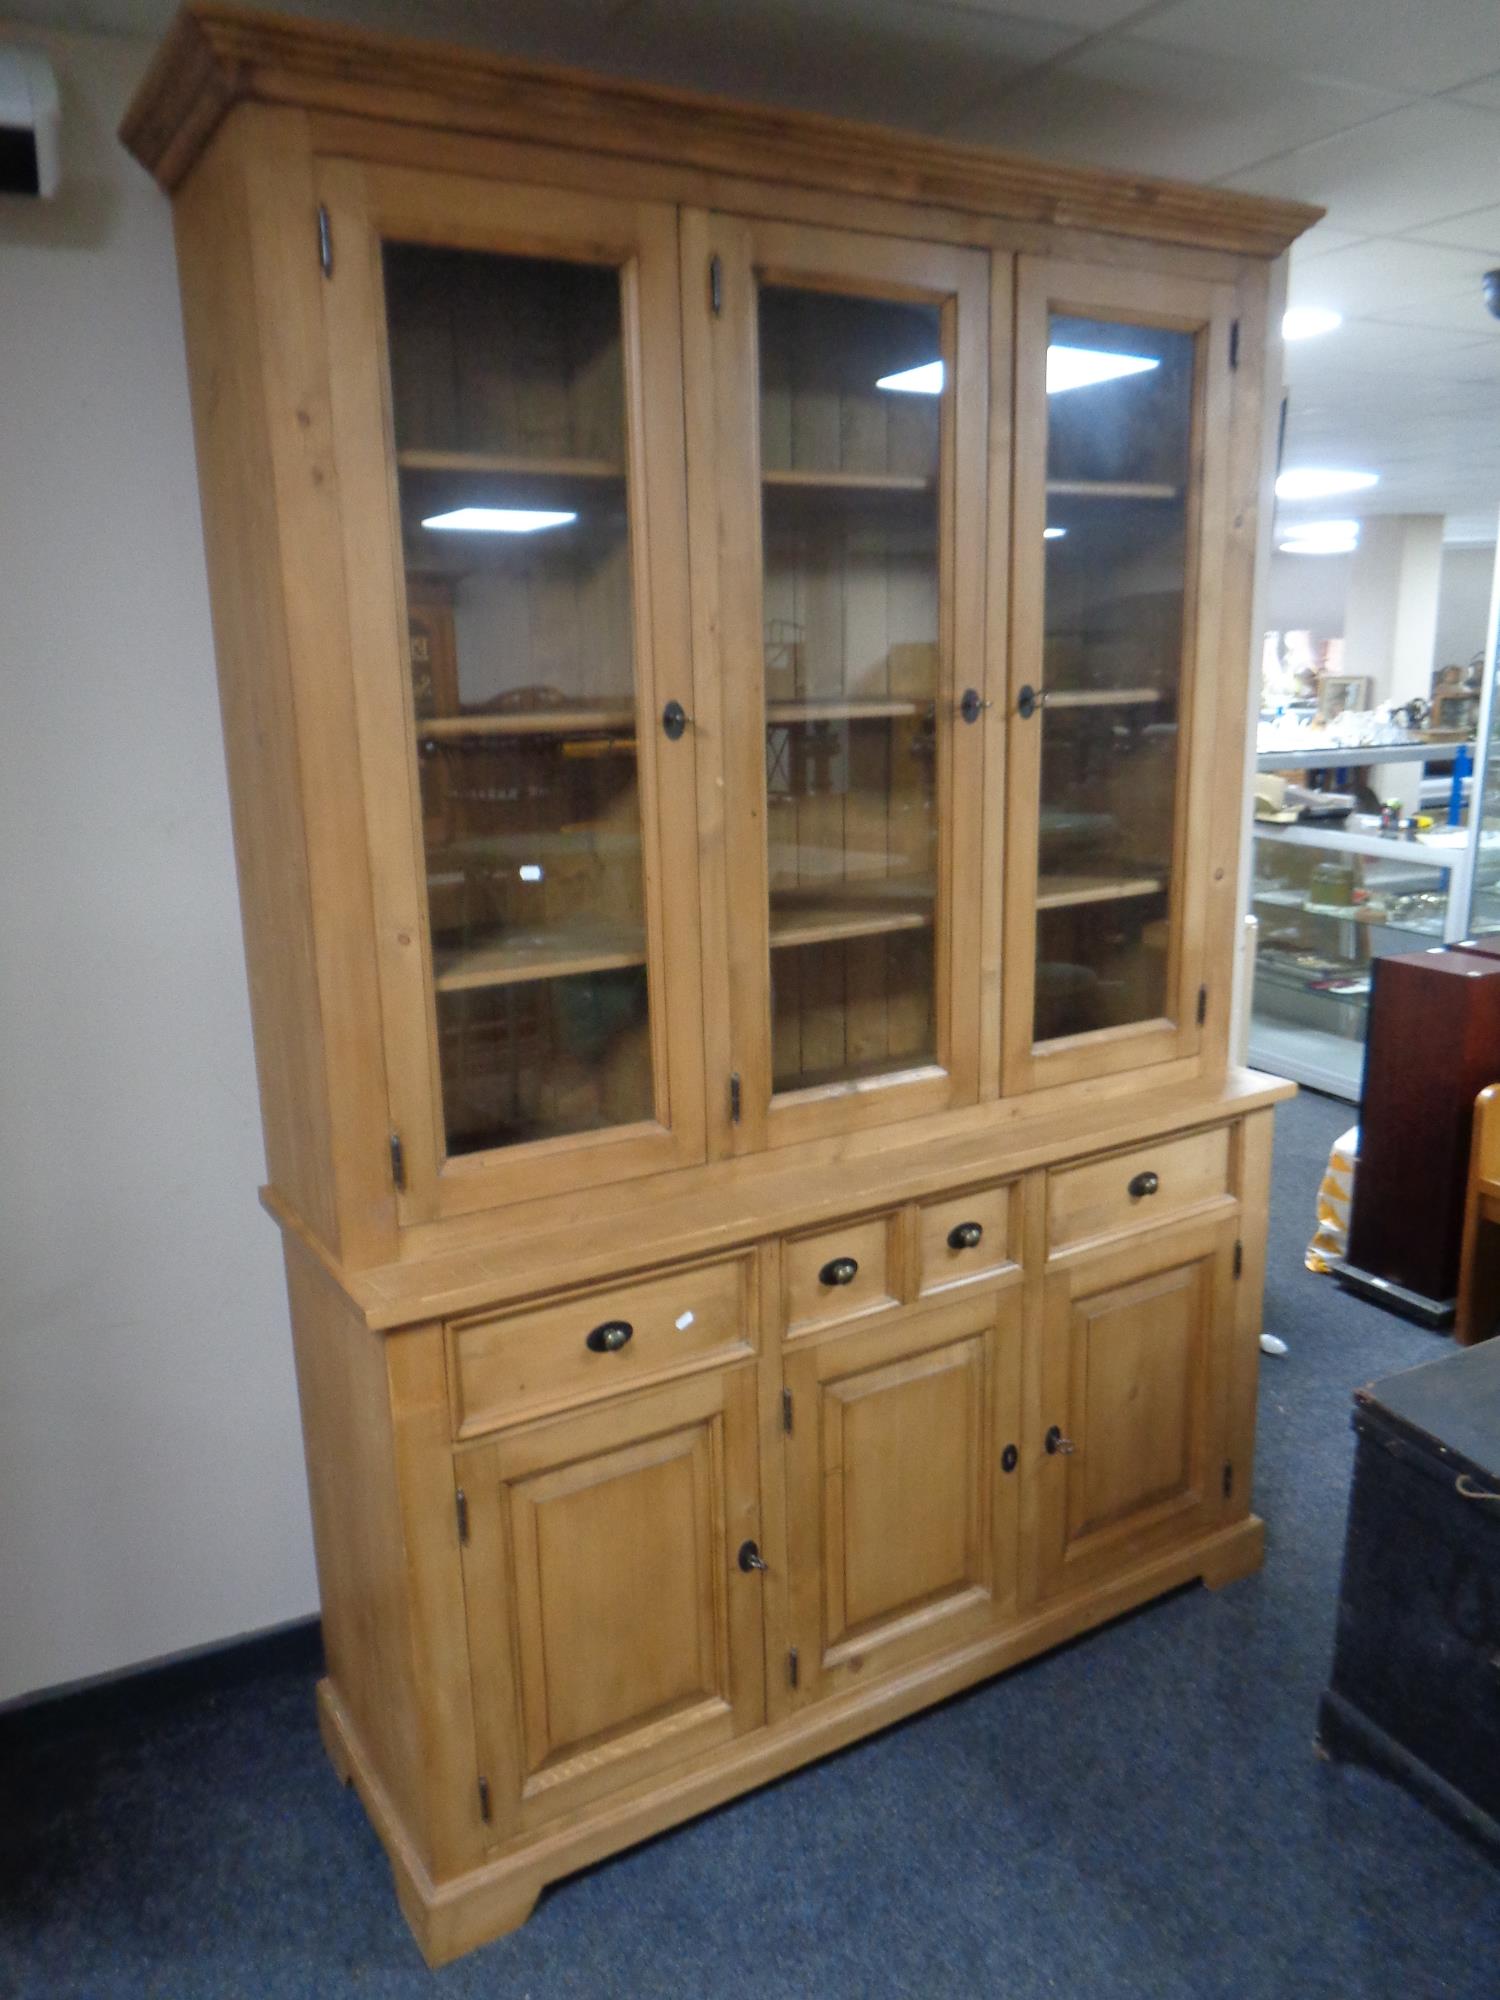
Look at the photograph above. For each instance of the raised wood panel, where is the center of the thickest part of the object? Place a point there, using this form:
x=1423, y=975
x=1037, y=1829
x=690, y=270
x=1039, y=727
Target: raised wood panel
x=813, y=1299
x=946, y=1259
x=901, y=1519
x=1134, y=1383
x=612, y=1632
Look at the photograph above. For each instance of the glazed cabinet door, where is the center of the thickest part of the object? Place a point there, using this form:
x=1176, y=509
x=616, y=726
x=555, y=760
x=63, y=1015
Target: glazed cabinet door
x=901, y=1490
x=612, y=1630
x=837, y=389
x=1121, y=443
x=506, y=378
x=1135, y=1368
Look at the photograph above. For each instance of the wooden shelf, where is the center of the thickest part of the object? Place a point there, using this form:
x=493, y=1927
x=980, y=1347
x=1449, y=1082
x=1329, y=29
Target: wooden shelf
x=833, y=917
x=527, y=722
x=844, y=711
x=508, y=463
x=1065, y=892
x=509, y=961
x=1101, y=697
x=1111, y=489
x=790, y=481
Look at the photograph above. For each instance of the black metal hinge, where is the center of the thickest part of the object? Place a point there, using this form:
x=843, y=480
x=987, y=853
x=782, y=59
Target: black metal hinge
x=461, y=1508
x=1228, y=1479
x=1234, y=343
x=398, y=1160
x=325, y=241
x=1239, y=1258
x=484, y=1800
x=734, y=1097
x=715, y=286
x=791, y=1667
x=1202, y=1005
x=786, y=1411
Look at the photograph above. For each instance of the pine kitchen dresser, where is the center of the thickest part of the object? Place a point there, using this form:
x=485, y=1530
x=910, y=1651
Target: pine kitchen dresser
x=733, y=631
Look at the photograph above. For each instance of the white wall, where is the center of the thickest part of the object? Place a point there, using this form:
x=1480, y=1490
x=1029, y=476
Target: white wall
x=151, y=1486
x=1307, y=594
x=1463, y=605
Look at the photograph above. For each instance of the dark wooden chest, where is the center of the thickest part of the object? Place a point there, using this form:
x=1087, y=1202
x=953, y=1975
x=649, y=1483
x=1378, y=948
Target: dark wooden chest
x=1416, y=1672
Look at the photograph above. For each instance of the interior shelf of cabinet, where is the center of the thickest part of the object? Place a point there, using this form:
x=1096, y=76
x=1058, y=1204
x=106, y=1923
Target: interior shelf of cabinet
x=835, y=710
x=510, y=961
x=528, y=722
x=1065, y=892
x=1112, y=489
x=833, y=915
x=802, y=480
x=509, y=463
x=1102, y=697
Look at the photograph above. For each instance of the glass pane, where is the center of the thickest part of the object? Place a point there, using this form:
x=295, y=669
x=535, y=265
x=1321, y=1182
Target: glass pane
x=509, y=407
x=1119, y=434
x=849, y=471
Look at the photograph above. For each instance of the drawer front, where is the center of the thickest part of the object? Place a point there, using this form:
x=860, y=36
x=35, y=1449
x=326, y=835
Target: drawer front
x=948, y=1254
x=1136, y=1189
x=820, y=1288
x=514, y=1364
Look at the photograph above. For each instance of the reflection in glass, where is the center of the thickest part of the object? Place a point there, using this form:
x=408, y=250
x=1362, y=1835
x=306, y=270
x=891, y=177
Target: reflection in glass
x=1119, y=431
x=508, y=398
x=850, y=525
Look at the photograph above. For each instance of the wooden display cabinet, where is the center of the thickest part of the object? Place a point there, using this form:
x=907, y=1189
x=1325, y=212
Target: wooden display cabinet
x=733, y=632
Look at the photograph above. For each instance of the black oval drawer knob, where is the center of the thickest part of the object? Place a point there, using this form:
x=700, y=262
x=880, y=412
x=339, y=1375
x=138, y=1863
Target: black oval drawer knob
x=1146, y=1183
x=965, y=1235
x=610, y=1336
x=839, y=1271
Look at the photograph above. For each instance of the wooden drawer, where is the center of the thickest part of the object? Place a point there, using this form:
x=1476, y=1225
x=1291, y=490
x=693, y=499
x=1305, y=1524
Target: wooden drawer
x=1134, y=1190
x=516, y=1364
x=946, y=1255
x=817, y=1288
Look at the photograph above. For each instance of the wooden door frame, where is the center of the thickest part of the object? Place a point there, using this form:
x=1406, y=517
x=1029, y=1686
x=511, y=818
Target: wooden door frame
x=1208, y=1242
x=369, y=204
x=1206, y=309
x=724, y=482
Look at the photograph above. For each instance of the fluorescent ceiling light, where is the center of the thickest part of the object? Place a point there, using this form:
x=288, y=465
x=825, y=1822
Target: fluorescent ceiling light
x=927, y=380
x=1320, y=482
x=1053, y=534
x=497, y=520
x=1321, y=538
x=530, y=871
x=1307, y=322
x=1082, y=367
x=1067, y=368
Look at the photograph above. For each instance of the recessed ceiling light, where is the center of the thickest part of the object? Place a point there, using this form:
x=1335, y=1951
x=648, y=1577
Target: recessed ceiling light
x=1321, y=482
x=927, y=380
x=1082, y=367
x=1321, y=538
x=1307, y=322
x=1053, y=534
x=496, y=521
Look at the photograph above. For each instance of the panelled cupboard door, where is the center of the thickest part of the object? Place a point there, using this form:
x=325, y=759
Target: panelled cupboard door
x=506, y=378
x=1135, y=1348
x=1121, y=442
x=612, y=1631
x=902, y=1490
x=837, y=394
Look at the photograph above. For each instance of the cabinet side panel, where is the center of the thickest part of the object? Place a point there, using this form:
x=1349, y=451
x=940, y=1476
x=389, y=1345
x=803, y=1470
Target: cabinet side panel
x=1254, y=1189
x=255, y=688
x=352, y=1481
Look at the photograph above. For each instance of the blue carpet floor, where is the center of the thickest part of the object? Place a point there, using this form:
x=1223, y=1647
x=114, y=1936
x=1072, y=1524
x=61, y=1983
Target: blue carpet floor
x=1141, y=1813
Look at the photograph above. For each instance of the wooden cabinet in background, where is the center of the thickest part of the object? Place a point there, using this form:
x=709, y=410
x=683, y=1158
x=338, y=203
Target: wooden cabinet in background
x=733, y=634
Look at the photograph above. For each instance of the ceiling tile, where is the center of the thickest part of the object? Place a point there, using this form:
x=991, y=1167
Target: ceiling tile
x=1089, y=17
x=1422, y=163
x=893, y=61
x=1486, y=93
x=1319, y=241
x=1478, y=230
x=1127, y=103
x=1382, y=42
x=1395, y=279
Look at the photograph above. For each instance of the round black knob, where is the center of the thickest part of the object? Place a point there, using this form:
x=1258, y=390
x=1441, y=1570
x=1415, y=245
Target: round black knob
x=674, y=720
x=839, y=1271
x=1009, y=1458
x=1056, y=1442
x=1146, y=1183
x=610, y=1336
x=965, y=1235
x=751, y=1558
